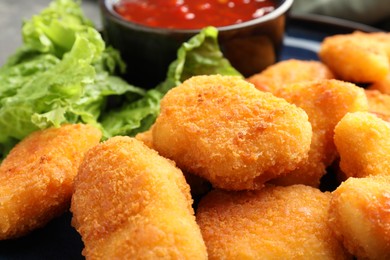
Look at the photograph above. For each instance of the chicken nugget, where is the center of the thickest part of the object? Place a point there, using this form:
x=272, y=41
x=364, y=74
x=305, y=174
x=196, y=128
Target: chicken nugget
x=272, y=223
x=359, y=215
x=363, y=142
x=146, y=137
x=198, y=185
x=289, y=71
x=36, y=178
x=378, y=104
x=382, y=85
x=325, y=102
x=225, y=130
x=131, y=203
x=357, y=57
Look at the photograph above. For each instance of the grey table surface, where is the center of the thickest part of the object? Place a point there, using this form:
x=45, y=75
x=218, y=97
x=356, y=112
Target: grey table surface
x=13, y=12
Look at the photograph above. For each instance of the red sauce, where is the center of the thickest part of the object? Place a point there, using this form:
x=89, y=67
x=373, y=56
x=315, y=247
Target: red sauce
x=192, y=14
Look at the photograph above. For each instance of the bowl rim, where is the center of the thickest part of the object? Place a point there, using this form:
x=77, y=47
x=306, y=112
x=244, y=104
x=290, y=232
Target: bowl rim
x=107, y=8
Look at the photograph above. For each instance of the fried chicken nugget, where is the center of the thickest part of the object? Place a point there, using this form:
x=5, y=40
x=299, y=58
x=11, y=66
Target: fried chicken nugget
x=357, y=57
x=272, y=223
x=36, y=177
x=363, y=142
x=382, y=85
x=131, y=203
x=378, y=104
x=359, y=215
x=198, y=185
x=325, y=102
x=289, y=71
x=146, y=137
x=225, y=130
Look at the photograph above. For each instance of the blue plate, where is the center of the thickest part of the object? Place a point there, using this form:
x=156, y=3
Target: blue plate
x=58, y=240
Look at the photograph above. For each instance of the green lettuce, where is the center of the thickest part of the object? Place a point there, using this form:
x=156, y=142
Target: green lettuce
x=63, y=73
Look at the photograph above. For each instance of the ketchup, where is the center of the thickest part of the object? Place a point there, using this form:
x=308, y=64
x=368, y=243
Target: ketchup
x=192, y=14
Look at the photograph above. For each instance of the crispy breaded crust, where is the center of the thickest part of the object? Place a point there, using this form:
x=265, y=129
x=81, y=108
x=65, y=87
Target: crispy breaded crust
x=289, y=71
x=36, y=178
x=360, y=216
x=228, y=132
x=325, y=102
x=272, y=223
x=379, y=103
x=131, y=203
x=363, y=142
x=382, y=85
x=146, y=137
x=357, y=57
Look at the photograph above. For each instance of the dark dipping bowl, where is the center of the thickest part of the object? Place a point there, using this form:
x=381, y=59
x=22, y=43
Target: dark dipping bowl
x=249, y=46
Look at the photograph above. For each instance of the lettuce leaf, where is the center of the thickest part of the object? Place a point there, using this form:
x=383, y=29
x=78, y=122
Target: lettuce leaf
x=201, y=55
x=63, y=73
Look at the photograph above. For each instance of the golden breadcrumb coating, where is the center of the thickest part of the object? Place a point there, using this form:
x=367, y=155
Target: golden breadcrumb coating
x=36, y=178
x=272, y=223
x=198, y=185
x=379, y=104
x=225, y=130
x=325, y=102
x=357, y=57
x=382, y=85
x=289, y=71
x=360, y=216
x=363, y=142
x=131, y=203
x=146, y=137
